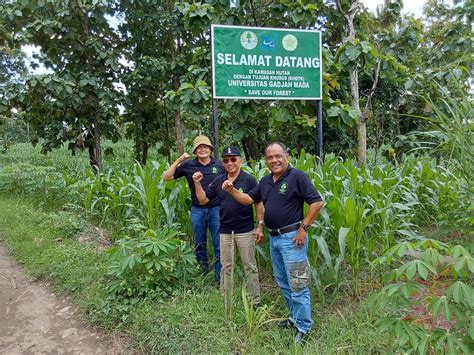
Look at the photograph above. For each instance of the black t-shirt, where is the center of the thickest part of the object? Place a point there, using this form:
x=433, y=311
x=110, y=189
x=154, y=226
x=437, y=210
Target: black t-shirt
x=234, y=216
x=209, y=172
x=284, y=199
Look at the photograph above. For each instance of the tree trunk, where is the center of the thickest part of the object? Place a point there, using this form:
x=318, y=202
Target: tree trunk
x=298, y=144
x=362, y=139
x=179, y=133
x=354, y=82
x=177, y=122
x=250, y=148
x=90, y=149
x=145, y=153
x=175, y=46
x=138, y=136
x=97, y=145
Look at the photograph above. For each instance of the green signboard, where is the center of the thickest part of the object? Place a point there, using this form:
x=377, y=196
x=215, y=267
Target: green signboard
x=265, y=63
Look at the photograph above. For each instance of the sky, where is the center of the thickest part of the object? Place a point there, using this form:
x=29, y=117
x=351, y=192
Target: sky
x=409, y=6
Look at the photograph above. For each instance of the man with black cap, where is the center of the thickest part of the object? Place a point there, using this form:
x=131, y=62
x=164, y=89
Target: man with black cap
x=284, y=193
x=205, y=216
x=237, y=223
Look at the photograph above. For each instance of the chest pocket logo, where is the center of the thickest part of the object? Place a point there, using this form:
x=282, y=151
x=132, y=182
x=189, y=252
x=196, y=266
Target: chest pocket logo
x=214, y=170
x=283, y=188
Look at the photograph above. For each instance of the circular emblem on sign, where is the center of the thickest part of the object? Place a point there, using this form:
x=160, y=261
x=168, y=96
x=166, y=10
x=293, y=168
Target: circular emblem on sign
x=289, y=42
x=248, y=40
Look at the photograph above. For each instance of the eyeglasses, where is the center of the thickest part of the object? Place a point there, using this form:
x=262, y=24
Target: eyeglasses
x=233, y=160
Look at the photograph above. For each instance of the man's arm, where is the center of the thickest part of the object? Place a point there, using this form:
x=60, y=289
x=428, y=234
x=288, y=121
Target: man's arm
x=313, y=212
x=172, y=169
x=200, y=193
x=308, y=220
x=259, y=230
x=240, y=197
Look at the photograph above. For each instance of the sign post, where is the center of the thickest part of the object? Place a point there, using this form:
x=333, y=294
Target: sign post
x=267, y=64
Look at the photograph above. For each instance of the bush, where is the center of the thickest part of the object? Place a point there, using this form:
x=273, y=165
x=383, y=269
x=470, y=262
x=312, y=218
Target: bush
x=151, y=266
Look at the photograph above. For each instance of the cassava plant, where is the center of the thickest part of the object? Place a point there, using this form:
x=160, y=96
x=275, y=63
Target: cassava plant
x=150, y=266
x=428, y=301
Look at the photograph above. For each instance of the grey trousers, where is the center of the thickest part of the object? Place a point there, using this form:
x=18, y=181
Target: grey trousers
x=245, y=243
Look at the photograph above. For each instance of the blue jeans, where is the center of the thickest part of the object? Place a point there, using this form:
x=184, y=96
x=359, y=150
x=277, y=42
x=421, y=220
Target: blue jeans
x=291, y=271
x=201, y=220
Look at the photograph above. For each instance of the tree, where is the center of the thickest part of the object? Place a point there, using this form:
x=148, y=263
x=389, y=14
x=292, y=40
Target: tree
x=79, y=98
x=352, y=50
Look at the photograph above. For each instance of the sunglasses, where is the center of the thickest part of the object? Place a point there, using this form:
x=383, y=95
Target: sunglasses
x=227, y=160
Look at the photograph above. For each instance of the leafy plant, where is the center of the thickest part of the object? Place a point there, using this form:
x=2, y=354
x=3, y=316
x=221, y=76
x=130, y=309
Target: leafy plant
x=255, y=317
x=151, y=266
x=452, y=130
x=429, y=299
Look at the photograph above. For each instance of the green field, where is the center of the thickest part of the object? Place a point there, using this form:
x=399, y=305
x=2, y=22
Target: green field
x=63, y=224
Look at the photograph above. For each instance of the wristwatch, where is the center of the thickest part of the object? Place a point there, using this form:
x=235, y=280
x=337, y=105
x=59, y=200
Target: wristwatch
x=261, y=222
x=305, y=226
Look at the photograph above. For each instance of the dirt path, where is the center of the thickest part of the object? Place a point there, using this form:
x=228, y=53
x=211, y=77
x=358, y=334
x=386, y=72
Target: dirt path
x=34, y=321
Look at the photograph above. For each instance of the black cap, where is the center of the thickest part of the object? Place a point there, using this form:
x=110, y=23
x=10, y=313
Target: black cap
x=230, y=151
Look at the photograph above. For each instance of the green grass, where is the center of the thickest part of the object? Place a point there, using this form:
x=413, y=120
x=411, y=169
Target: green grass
x=192, y=320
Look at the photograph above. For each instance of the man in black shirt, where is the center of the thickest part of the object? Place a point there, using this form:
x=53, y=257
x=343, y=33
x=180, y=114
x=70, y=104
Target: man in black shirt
x=236, y=220
x=284, y=193
x=206, y=216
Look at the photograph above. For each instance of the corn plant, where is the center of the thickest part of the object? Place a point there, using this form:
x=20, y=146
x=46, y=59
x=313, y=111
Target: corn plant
x=429, y=300
x=255, y=317
x=368, y=210
x=139, y=194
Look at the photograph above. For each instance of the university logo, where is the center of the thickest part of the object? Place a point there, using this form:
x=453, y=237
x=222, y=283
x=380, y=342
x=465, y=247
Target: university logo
x=290, y=43
x=283, y=188
x=214, y=170
x=248, y=40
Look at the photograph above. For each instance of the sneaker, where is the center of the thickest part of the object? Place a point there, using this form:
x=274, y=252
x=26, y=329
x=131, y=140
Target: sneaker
x=301, y=337
x=286, y=324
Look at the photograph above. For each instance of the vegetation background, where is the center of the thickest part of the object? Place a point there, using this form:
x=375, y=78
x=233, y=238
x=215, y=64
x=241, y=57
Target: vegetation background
x=127, y=90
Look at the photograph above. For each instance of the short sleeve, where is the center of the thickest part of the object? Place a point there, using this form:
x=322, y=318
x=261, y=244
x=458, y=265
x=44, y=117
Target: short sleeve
x=180, y=171
x=255, y=193
x=307, y=190
x=211, y=190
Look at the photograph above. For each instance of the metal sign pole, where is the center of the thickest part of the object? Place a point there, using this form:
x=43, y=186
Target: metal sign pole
x=319, y=130
x=216, y=128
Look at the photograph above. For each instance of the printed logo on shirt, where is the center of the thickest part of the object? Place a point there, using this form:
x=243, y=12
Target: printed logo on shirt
x=283, y=188
x=214, y=170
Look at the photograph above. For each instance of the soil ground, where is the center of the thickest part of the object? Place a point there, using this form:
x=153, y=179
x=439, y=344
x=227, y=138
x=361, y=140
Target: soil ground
x=35, y=321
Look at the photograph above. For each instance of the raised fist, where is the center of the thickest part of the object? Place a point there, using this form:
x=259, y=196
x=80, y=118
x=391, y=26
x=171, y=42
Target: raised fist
x=197, y=176
x=184, y=157
x=227, y=186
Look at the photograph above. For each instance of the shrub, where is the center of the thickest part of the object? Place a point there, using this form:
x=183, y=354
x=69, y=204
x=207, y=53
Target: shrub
x=151, y=266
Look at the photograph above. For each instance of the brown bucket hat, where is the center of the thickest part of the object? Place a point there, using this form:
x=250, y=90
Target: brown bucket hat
x=201, y=140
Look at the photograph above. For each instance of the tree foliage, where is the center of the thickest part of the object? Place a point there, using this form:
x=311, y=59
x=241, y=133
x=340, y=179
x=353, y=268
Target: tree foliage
x=377, y=67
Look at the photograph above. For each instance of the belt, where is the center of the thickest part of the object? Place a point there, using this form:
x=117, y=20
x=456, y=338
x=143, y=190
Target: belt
x=287, y=229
